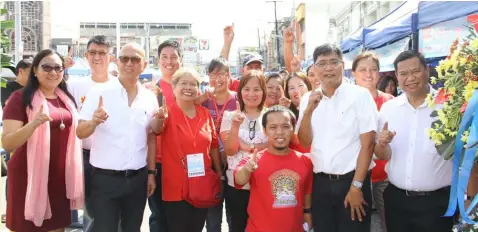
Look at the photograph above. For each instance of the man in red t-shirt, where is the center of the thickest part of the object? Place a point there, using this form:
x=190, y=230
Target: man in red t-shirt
x=169, y=59
x=280, y=179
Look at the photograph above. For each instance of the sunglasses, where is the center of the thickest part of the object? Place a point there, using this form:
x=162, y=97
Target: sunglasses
x=252, y=129
x=126, y=59
x=48, y=68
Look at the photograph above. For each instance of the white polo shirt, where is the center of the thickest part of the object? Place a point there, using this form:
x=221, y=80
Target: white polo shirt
x=121, y=142
x=79, y=88
x=415, y=164
x=337, y=124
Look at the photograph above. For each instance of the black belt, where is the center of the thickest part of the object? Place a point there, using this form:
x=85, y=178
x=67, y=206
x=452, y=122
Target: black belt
x=125, y=173
x=422, y=193
x=347, y=175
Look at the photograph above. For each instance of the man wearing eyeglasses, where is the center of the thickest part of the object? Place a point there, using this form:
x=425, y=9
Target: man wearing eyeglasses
x=121, y=117
x=98, y=57
x=339, y=120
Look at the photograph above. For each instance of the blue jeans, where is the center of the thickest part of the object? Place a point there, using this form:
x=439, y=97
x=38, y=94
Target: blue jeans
x=157, y=220
x=214, y=215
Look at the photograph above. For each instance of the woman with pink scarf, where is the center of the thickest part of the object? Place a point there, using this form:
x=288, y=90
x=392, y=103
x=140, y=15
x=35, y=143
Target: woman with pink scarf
x=45, y=179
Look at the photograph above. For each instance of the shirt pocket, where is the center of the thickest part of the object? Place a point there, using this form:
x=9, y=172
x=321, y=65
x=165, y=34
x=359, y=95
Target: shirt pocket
x=140, y=124
x=345, y=120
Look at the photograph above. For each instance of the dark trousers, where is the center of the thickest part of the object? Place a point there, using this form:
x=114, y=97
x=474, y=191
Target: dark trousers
x=237, y=200
x=214, y=215
x=117, y=199
x=87, y=220
x=183, y=217
x=157, y=220
x=416, y=213
x=328, y=211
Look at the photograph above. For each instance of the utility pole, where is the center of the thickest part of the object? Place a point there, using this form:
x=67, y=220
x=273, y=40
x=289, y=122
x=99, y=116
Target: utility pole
x=259, y=40
x=277, y=34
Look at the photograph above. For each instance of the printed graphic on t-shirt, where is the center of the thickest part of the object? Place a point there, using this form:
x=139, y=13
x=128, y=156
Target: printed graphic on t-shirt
x=284, y=185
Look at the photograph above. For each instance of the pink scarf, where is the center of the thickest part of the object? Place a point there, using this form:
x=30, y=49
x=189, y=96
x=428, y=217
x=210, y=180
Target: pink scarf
x=37, y=202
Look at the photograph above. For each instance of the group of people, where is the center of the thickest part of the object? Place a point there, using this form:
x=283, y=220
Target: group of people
x=287, y=152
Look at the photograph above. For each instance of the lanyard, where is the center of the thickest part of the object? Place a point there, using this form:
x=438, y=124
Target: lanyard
x=220, y=114
x=191, y=134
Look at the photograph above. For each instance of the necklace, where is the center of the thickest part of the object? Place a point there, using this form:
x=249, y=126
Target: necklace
x=62, y=125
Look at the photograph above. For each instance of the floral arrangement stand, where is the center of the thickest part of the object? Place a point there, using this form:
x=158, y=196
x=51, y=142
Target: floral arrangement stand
x=455, y=132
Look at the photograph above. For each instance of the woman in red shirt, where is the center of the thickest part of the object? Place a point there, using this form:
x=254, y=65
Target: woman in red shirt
x=188, y=138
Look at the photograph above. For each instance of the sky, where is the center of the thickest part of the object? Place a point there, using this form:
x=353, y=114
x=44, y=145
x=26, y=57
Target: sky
x=208, y=17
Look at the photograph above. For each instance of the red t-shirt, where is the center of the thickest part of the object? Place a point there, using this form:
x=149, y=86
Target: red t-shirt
x=234, y=86
x=167, y=91
x=278, y=189
x=177, y=142
x=378, y=172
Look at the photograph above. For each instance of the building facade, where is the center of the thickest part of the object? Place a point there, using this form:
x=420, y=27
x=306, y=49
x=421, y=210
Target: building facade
x=36, y=26
x=361, y=14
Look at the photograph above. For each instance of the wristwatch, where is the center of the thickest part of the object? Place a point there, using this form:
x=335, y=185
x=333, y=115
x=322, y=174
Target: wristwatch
x=153, y=172
x=357, y=184
x=309, y=211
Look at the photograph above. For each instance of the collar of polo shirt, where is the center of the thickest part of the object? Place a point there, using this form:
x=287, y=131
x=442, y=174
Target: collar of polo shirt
x=402, y=99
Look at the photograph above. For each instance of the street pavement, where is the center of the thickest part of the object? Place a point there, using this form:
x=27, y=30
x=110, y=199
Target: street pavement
x=147, y=212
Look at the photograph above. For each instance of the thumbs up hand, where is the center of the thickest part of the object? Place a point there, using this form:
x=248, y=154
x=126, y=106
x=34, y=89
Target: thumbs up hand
x=41, y=118
x=385, y=136
x=100, y=115
x=251, y=164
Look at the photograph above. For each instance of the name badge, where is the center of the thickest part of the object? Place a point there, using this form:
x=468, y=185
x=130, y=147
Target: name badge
x=195, y=165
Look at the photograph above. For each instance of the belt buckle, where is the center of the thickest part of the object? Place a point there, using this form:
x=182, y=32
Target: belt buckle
x=128, y=173
x=334, y=177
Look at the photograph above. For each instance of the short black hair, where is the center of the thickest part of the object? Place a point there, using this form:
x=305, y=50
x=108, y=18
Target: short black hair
x=173, y=44
x=23, y=64
x=100, y=40
x=218, y=63
x=405, y=55
x=283, y=71
x=278, y=109
x=326, y=49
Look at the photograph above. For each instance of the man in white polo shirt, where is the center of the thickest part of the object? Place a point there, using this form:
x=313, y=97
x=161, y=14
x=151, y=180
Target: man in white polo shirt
x=119, y=116
x=419, y=189
x=339, y=121
x=98, y=56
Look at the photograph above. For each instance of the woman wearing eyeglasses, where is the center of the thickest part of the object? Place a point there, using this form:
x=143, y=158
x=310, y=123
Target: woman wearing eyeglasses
x=242, y=132
x=39, y=124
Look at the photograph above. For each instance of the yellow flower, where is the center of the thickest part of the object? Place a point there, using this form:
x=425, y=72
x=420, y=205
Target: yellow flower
x=451, y=90
x=474, y=43
x=433, y=80
x=430, y=101
x=463, y=61
x=464, y=137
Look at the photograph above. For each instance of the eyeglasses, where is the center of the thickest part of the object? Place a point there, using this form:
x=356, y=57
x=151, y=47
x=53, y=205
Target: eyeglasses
x=323, y=64
x=93, y=53
x=126, y=59
x=221, y=75
x=252, y=129
x=48, y=68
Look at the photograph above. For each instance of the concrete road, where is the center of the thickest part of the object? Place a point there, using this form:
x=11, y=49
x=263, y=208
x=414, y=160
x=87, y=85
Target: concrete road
x=145, y=226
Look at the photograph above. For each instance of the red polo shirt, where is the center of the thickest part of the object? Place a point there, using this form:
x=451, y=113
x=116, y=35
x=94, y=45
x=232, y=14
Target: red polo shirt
x=234, y=86
x=167, y=91
x=378, y=172
x=177, y=142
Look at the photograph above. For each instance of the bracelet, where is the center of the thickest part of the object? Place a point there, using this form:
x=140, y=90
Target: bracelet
x=308, y=211
x=469, y=198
